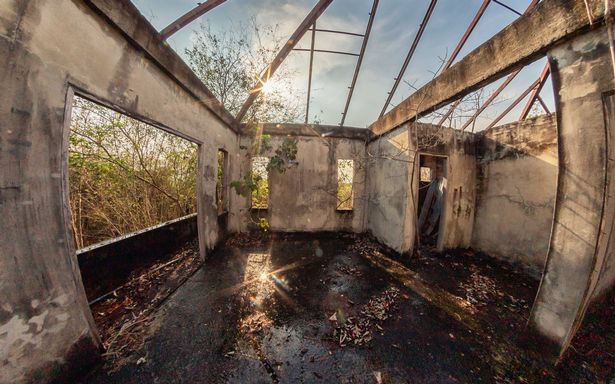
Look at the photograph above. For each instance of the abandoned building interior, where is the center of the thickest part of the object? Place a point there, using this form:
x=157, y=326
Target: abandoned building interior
x=411, y=250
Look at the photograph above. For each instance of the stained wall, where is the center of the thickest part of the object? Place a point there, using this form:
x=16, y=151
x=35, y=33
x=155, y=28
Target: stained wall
x=108, y=52
x=517, y=182
x=304, y=197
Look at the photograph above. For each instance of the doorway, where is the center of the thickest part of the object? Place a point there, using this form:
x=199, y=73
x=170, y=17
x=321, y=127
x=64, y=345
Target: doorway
x=433, y=173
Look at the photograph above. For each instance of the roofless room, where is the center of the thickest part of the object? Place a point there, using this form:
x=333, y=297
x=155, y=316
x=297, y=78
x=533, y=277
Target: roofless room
x=309, y=191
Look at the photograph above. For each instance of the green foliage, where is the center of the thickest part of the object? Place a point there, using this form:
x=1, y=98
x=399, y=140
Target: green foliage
x=285, y=156
x=344, y=197
x=256, y=182
x=260, y=194
x=220, y=197
x=263, y=224
x=125, y=175
x=247, y=185
x=345, y=176
x=229, y=61
x=265, y=144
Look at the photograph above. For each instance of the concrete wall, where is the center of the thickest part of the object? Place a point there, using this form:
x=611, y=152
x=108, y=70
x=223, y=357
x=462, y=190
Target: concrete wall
x=108, y=265
x=459, y=148
x=303, y=198
x=50, y=49
x=517, y=184
x=106, y=51
x=606, y=278
x=393, y=185
x=390, y=206
x=584, y=215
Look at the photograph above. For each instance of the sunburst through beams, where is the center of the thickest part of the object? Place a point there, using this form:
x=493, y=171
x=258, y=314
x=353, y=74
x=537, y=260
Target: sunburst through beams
x=269, y=87
x=266, y=85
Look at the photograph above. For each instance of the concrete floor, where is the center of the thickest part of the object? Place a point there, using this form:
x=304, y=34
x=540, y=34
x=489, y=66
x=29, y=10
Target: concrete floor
x=201, y=334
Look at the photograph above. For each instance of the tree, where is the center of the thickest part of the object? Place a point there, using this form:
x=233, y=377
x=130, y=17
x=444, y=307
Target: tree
x=125, y=175
x=229, y=63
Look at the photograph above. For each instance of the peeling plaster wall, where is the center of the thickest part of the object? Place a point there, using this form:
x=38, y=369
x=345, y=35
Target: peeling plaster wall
x=46, y=329
x=517, y=184
x=303, y=198
x=392, y=201
x=584, y=214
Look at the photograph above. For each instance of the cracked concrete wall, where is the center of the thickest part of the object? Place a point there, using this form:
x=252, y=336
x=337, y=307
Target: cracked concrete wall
x=517, y=184
x=50, y=48
x=584, y=214
x=393, y=182
x=304, y=197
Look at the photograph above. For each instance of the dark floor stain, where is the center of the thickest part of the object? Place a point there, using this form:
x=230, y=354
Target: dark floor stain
x=259, y=311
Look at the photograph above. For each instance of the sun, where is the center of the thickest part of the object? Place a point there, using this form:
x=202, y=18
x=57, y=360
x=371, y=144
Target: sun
x=268, y=87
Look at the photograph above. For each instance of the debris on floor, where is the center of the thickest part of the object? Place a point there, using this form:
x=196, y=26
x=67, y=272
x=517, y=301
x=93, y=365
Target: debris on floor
x=247, y=240
x=593, y=347
x=255, y=323
x=349, y=270
x=124, y=315
x=249, y=328
x=357, y=330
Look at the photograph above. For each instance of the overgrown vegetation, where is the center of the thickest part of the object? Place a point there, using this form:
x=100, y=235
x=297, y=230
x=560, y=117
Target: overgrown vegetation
x=230, y=61
x=221, y=198
x=125, y=175
x=345, y=176
x=256, y=182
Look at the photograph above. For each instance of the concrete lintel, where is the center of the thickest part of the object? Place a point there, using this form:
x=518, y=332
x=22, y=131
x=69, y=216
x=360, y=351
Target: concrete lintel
x=127, y=18
x=279, y=129
x=519, y=44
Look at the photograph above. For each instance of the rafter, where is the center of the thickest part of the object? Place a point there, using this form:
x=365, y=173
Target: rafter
x=189, y=17
x=309, y=20
x=532, y=35
x=309, y=90
x=508, y=7
x=368, y=31
x=462, y=42
x=456, y=103
x=415, y=43
x=543, y=104
x=327, y=51
x=467, y=33
x=544, y=75
x=337, y=32
x=532, y=87
x=491, y=98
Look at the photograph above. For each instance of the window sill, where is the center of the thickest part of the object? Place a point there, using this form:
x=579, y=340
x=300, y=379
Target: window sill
x=344, y=211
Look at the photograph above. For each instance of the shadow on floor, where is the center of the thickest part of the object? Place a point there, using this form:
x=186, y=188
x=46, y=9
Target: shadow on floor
x=266, y=310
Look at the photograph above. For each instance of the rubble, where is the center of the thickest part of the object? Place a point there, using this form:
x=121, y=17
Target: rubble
x=123, y=317
x=357, y=330
x=247, y=240
x=350, y=270
x=255, y=323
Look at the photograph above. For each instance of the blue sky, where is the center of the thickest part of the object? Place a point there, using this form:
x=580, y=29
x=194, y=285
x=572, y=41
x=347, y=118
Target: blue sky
x=394, y=28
